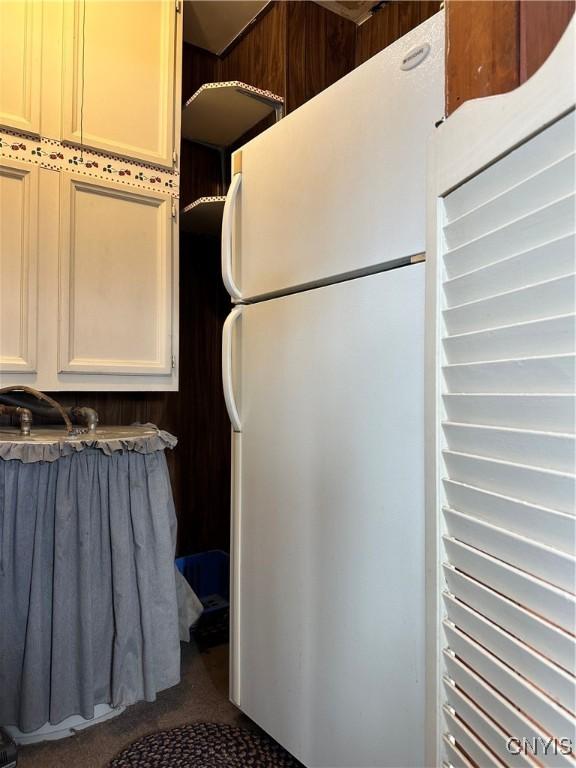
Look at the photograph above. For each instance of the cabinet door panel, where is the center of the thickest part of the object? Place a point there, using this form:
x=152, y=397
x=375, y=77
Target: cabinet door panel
x=115, y=279
x=18, y=266
x=119, y=77
x=20, y=63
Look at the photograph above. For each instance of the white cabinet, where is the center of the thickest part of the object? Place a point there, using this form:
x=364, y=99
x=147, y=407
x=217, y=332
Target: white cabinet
x=95, y=305
x=99, y=73
x=88, y=282
x=115, y=279
x=18, y=266
x=119, y=65
x=20, y=64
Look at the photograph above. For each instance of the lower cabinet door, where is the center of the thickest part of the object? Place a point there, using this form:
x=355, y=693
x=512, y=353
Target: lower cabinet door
x=116, y=279
x=18, y=266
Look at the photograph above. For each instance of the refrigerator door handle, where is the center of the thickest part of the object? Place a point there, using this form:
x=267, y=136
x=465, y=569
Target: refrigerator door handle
x=227, y=380
x=227, y=226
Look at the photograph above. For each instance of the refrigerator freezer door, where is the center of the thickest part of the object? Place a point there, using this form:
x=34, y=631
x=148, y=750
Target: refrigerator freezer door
x=328, y=623
x=338, y=186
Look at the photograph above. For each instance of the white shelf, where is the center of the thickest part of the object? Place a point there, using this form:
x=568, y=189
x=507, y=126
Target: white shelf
x=218, y=114
x=203, y=216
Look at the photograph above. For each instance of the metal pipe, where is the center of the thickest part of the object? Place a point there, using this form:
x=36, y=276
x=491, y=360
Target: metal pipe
x=79, y=414
x=24, y=415
x=86, y=416
x=35, y=406
x=41, y=396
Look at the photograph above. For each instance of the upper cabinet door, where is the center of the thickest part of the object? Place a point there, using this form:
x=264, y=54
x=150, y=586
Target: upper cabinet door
x=18, y=266
x=116, y=279
x=20, y=64
x=119, y=77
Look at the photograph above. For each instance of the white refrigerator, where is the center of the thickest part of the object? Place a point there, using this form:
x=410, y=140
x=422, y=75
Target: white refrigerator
x=323, y=372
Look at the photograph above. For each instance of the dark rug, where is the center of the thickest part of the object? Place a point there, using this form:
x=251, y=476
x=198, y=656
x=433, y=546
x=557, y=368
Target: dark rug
x=204, y=745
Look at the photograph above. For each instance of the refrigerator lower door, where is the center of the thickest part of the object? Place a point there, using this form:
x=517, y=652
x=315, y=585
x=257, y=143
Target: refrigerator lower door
x=328, y=521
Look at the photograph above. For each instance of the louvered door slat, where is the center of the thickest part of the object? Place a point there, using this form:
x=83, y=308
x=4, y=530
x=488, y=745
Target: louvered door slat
x=544, y=674
x=556, y=605
x=469, y=741
x=544, y=186
x=539, y=300
x=547, y=526
x=545, y=487
x=489, y=731
x=552, y=335
x=546, y=563
x=549, y=413
x=501, y=709
x=544, y=149
x=455, y=757
x=530, y=447
x=521, y=692
x=537, y=375
x=546, y=638
x=547, y=261
x=529, y=231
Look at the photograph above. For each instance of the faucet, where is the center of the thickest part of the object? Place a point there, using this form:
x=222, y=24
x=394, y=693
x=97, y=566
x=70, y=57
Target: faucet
x=25, y=415
x=12, y=399
x=86, y=416
x=27, y=422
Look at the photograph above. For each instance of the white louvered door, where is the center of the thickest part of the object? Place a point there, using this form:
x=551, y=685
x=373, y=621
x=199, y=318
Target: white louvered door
x=501, y=417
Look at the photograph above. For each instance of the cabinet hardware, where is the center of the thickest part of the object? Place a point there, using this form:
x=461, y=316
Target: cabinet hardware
x=174, y=211
x=175, y=157
x=173, y=361
x=178, y=6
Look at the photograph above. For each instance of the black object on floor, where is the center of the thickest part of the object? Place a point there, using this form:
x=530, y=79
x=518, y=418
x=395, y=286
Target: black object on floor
x=208, y=573
x=8, y=751
x=204, y=745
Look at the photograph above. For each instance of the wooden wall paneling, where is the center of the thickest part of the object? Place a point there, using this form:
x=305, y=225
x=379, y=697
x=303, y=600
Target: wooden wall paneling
x=494, y=45
x=390, y=22
x=296, y=85
x=204, y=428
x=482, y=55
x=200, y=172
x=259, y=57
x=377, y=32
x=542, y=24
x=320, y=50
x=340, y=46
x=198, y=67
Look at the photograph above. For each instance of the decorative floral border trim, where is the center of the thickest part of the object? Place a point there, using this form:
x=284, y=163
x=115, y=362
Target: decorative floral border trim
x=272, y=97
x=56, y=156
x=202, y=201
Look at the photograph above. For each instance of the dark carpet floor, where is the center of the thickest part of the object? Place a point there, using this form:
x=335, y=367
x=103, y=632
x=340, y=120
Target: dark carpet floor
x=201, y=696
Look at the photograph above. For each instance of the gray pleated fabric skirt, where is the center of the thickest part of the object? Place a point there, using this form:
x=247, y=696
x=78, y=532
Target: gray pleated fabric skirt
x=88, y=608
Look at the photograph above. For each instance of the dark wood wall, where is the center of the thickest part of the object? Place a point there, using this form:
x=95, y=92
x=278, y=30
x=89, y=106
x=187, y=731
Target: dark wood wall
x=320, y=49
x=495, y=45
x=259, y=57
x=541, y=25
x=393, y=20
